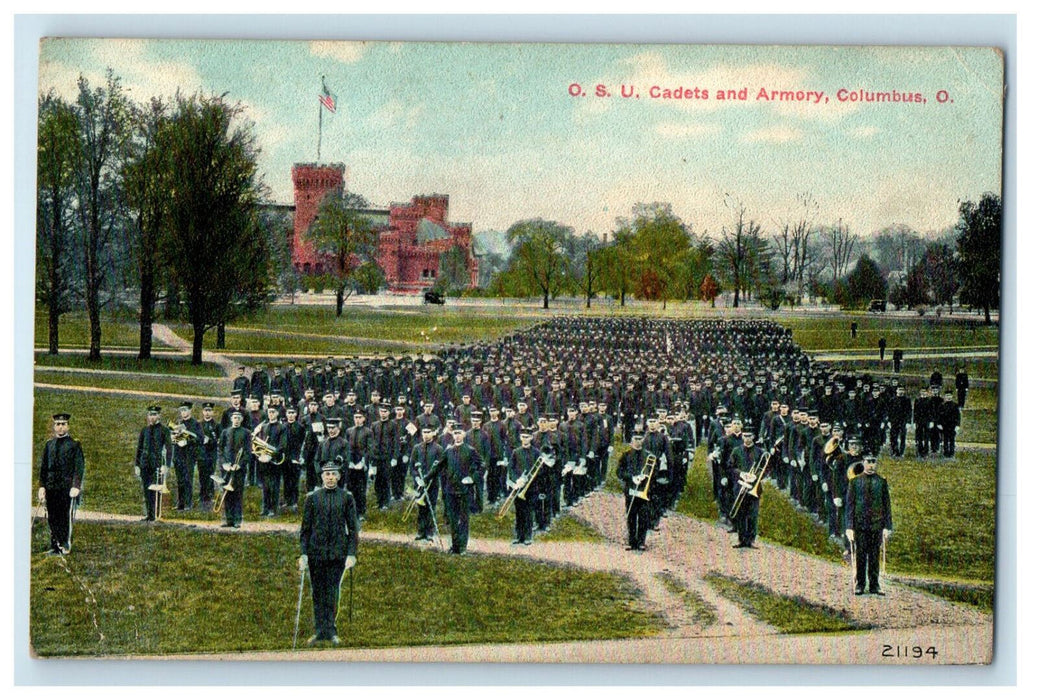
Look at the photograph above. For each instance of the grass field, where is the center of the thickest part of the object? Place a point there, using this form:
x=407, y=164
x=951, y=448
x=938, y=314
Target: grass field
x=703, y=613
x=117, y=330
x=289, y=346
x=128, y=382
x=833, y=332
x=915, y=371
x=790, y=615
x=157, y=590
x=129, y=363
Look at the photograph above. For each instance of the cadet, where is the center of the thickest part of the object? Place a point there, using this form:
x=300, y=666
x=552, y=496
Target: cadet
x=868, y=523
x=520, y=472
x=460, y=465
x=630, y=470
x=425, y=454
x=328, y=540
x=234, y=453
x=187, y=440
x=207, y=463
x=151, y=462
x=740, y=472
x=61, y=477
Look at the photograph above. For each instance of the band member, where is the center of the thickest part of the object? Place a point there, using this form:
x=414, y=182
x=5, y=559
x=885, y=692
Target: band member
x=207, y=460
x=61, y=478
x=234, y=449
x=150, y=464
x=573, y=441
x=740, y=472
x=900, y=414
x=520, y=472
x=460, y=465
x=425, y=454
x=923, y=419
x=273, y=432
x=630, y=470
x=962, y=386
x=427, y=419
x=313, y=423
x=868, y=523
x=480, y=442
x=948, y=416
x=359, y=446
x=225, y=417
x=187, y=438
x=328, y=540
x=384, y=454
x=405, y=430
x=241, y=385
x=497, y=462
x=294, y=458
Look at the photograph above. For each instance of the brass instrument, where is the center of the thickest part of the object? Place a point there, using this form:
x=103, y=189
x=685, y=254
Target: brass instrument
x=520, y=491
x=181, y=436
x=160, y=489
x=855, y=470
x=265, y=452
x=648, y=469
x=831, y=446
x=752, y=487
x=226, y=484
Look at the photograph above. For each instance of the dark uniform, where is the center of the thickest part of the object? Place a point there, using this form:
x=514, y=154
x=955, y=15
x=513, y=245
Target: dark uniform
x=628, y=470
x=207, y=460
x=359, y=449
x=185, y=457
x=460, y=466
x=521, y=463
x=868, y=515
x=154, y=453
x=423, y=456
x=235, y=449
x=743, y=459
x=327, y=537
x=61, y=469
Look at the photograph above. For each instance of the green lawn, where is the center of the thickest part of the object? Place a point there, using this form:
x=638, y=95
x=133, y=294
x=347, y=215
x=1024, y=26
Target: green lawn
x=944, y=516
x=791, y=615
x=163, y=589
x=249, y=341
x=703, y=613
x=833, y=332
x=128, y=382
x=117, y=330
x=129, y=363
x=923, y=367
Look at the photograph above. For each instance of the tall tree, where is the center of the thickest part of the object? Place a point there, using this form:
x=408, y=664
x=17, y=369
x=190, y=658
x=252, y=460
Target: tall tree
x=144, y=174
x=539, y=258
x=102, y=126
x=454, y=268
x=980, y=252
x=217, y=250
x=941, y=272
x=56, y=152
x=592, y=264
x=866, y=281
x=659, y=245
x=734, y=248
x=898, y=248
x=342, y=231
x=839, y=247
x=617, y=264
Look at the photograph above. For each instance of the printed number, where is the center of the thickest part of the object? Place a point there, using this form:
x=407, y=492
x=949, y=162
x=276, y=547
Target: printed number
x=915, y=652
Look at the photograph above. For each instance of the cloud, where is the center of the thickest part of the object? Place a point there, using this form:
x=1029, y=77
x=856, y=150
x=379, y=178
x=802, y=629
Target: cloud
x=342, y=51
x=775, y=134
x=397, y=114
x=679, y=130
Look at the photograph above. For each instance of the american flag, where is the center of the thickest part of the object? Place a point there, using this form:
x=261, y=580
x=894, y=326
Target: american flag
x=327, y=97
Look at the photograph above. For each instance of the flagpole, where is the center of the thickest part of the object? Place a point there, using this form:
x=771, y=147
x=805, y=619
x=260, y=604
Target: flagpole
x=320, y=122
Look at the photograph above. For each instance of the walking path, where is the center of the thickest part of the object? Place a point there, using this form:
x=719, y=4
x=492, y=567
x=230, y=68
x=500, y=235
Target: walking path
x=836, y=357
x=167, y=336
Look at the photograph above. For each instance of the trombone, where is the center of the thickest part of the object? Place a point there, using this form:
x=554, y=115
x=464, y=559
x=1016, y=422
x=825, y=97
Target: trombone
x=159, y=488
x=226, y=484
x=751, y=486
x=643, y=492
x=522, y=486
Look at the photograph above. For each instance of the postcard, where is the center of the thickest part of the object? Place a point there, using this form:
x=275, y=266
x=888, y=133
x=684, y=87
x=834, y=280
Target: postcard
x=596, y=353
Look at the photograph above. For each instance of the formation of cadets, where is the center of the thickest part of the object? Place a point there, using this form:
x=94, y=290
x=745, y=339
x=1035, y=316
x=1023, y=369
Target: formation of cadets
x=534, y=415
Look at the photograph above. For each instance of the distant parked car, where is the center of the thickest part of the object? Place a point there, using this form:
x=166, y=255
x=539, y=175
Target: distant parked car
x=878, y=305
x=431, y=297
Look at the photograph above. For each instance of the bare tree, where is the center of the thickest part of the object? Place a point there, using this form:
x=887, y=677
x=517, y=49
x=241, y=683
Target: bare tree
x=839, y=247
x=738, y=248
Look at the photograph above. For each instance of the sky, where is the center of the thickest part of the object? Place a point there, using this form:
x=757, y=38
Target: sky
x=516, y=131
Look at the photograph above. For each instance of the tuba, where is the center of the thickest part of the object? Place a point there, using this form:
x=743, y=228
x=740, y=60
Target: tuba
x=265, y=452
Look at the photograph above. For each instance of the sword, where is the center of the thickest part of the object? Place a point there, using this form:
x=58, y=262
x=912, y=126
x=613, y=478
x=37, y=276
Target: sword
x=299, y=607
x=854, y=567
x=71, y=519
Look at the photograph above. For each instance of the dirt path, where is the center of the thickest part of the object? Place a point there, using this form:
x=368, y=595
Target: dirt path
x=167, y=336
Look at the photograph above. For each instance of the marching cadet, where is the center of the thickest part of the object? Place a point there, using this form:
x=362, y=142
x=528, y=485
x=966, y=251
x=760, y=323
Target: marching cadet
x=949, y=418
x=962, y=385
x=521, y=466
x=497, y=462
x=542, y=505
x=868, y=522
x=428, y=419
x=328, y=539
x=922, y=418
x=62, y=468
x=154, y=454
x=460, y=465
x=480, y=442
x=295, y=439
x=273, y=432
x=225, y=417
x=186, y=437
x=604, y=442
x=241, y=386
x=714, y=444
x=632, y=474
x=574, y=449
x=313, y=424
x=657, y=443
x=740, y=473
x=253, y=416
x=424, y=455
x=358, y=446
x=900, y=414
x=207, y=461
x=234, y=448
x=385, y=443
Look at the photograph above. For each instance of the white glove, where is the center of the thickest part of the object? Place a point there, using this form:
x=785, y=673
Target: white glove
x=73, y=492
x=591, y=455
x=850, y=534
x=886, y=534
x=724, y=481
x=609, y=449
x=374, y=471
x=502, y=462
x=838, y=502
x=582, y=462
x=956, y=430
x=392, y=462
x=522, y=482
x=467, y=480
x=405, y=459
x=351, y=561
x=639, y=478
x=550, y=461
x=206, y=440
x=786, y=460
x=930, y=425
x=745, y=476
x=136, y=471
x=510, y=484
x=814, y=477
x=163, y=471
x=825, y=488
x=41, y=494
x=303, y=561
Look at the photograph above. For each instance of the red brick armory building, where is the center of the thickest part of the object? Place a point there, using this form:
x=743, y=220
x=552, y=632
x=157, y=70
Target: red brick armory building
x=412, y=235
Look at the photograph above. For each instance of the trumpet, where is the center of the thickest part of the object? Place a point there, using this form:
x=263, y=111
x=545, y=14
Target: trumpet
x=226, y=484
x=648, y=469
x=751, y=486
x=265, y=452
x=522, y=486
x=181, y=436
